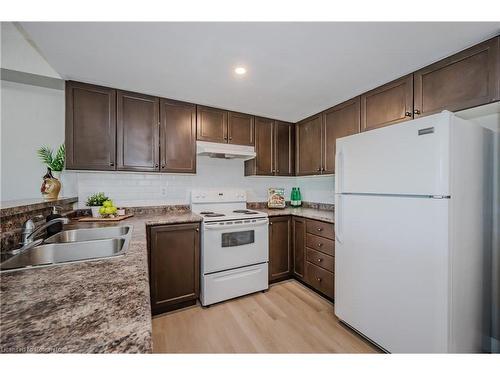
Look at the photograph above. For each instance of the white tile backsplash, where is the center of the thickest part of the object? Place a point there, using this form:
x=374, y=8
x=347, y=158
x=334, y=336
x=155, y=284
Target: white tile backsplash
x=149, y=189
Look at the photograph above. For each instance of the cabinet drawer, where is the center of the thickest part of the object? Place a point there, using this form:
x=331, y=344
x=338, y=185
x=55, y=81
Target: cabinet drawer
x=320, y=244
x=319, y=279
x=320, y=259
x=320, y=228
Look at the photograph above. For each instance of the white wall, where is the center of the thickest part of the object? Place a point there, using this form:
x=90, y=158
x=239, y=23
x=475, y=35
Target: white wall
x=142, y=189
x=31, y=116
x=19, y=54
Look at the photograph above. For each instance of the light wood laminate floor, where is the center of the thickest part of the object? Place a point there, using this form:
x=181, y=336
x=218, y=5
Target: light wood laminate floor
x=289, y=318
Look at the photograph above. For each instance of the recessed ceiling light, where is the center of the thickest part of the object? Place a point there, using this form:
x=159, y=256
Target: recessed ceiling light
x=240, y=70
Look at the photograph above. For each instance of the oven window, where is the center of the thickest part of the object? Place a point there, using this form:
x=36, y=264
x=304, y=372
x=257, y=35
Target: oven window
x=238, y=238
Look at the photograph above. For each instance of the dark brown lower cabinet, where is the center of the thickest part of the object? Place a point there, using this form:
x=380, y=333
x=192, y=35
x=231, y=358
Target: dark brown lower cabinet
x=299, y=239
x=174, y=266
x=280, y=249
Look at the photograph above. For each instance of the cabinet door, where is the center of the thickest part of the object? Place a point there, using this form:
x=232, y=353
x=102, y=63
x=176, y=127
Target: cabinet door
x=339, y=121
x=264, y=148
x=280, y=257
x=174, y=266
x=284, y=147
x=299, y=238
x=137, y=130
x=388, y=104
x=309, y=150
x=467, y=79
x=90, y=127
x=178, y=136
x=211, y=124
x=240, y=129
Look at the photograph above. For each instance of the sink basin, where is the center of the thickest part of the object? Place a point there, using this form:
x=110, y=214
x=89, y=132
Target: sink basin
x=88, y=234
x=71, y=246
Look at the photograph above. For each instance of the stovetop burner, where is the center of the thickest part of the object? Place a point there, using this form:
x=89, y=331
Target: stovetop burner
x=212, y=214
x=246, y=212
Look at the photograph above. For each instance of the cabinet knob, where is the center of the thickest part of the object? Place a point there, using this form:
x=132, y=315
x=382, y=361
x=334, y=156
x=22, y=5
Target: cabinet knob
x=320, y=244
x=111, y=164
x=416, y=111
x=319, y=279
x=320, y=229
x=270, y=223
x=277, y=170
x=230, y=138
x=156, y=165
x=163, y=165
x=320, y=260
x=408, y=114
x=319, y=169
x=197, y=229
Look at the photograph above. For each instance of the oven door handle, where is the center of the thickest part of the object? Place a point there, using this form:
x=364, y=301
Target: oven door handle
x=217, y=226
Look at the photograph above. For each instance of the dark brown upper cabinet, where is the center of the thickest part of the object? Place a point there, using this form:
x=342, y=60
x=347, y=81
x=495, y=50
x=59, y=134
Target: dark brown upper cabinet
x=339, y=121
x=174, y=266
x=308, y=146
x=274, y=148
x=280, y=249
x=90, y=127
x=240, y=129
x=263, y=163
x=137, y=132
x=284, y=148
x=466, y=79
x=211, y=124
x=388, y=104
x=177, y=136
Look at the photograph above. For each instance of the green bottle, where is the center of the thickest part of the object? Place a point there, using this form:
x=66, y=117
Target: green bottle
x=299, y=197
x=295, y=197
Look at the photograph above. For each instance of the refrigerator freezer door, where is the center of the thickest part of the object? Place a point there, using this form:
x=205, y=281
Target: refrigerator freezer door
x=410, y=158
x=391, y=270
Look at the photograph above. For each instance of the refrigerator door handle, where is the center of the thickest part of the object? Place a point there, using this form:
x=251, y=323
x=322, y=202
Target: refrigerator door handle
x=338, y=218
x=339, y=171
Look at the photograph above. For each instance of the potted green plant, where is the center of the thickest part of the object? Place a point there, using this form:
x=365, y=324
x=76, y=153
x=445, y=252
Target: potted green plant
x=95, y=202
x=54, y=162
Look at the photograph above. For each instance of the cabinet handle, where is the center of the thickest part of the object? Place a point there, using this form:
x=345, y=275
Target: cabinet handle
x=408, y=114
x=320, y=244
x=320, y=260
x=197, y=229
x=319, y=279
x=320, y=229
x=416, y=111
x=270, y=223
x=319, y=169
x=111, y=164
x=163, y=165
x=156, y=165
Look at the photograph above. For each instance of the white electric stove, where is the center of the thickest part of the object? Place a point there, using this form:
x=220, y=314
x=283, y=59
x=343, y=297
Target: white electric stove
x=234, y=245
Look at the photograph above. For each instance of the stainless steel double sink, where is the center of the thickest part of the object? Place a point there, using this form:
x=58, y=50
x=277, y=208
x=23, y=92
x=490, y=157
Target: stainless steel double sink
x=69, y=246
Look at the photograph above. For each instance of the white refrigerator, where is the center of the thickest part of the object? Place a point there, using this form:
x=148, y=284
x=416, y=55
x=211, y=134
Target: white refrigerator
x=411, y=218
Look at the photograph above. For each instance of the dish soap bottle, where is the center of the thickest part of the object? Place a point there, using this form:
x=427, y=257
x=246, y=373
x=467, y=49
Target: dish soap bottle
x=56, y=227
x=299, y=197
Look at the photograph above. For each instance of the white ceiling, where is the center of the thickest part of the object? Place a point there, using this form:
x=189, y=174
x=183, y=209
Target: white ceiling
x=294, y=69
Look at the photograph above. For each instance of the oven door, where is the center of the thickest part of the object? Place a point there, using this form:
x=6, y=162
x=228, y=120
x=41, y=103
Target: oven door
x=232, y=244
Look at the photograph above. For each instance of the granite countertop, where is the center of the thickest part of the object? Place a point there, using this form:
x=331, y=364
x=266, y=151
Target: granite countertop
x=308, y=213
x=98, y=306
x=16, y=207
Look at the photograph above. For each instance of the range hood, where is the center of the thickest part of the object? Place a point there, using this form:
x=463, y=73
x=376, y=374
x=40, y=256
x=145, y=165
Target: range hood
x=224, y=150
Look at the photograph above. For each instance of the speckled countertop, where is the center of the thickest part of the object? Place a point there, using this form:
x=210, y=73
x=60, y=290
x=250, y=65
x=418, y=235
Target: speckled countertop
x=308, y=213
x=96, y=306
x=89, y=307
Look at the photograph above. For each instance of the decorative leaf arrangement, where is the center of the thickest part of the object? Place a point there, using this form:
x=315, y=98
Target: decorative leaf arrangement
x=55, y=163
x=96, y=200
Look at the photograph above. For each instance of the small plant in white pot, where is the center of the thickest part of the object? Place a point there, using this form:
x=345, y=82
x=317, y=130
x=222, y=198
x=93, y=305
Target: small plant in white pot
x=95, y=202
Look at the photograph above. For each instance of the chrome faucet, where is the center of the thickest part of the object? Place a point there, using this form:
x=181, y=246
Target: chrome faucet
x=30, y=231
